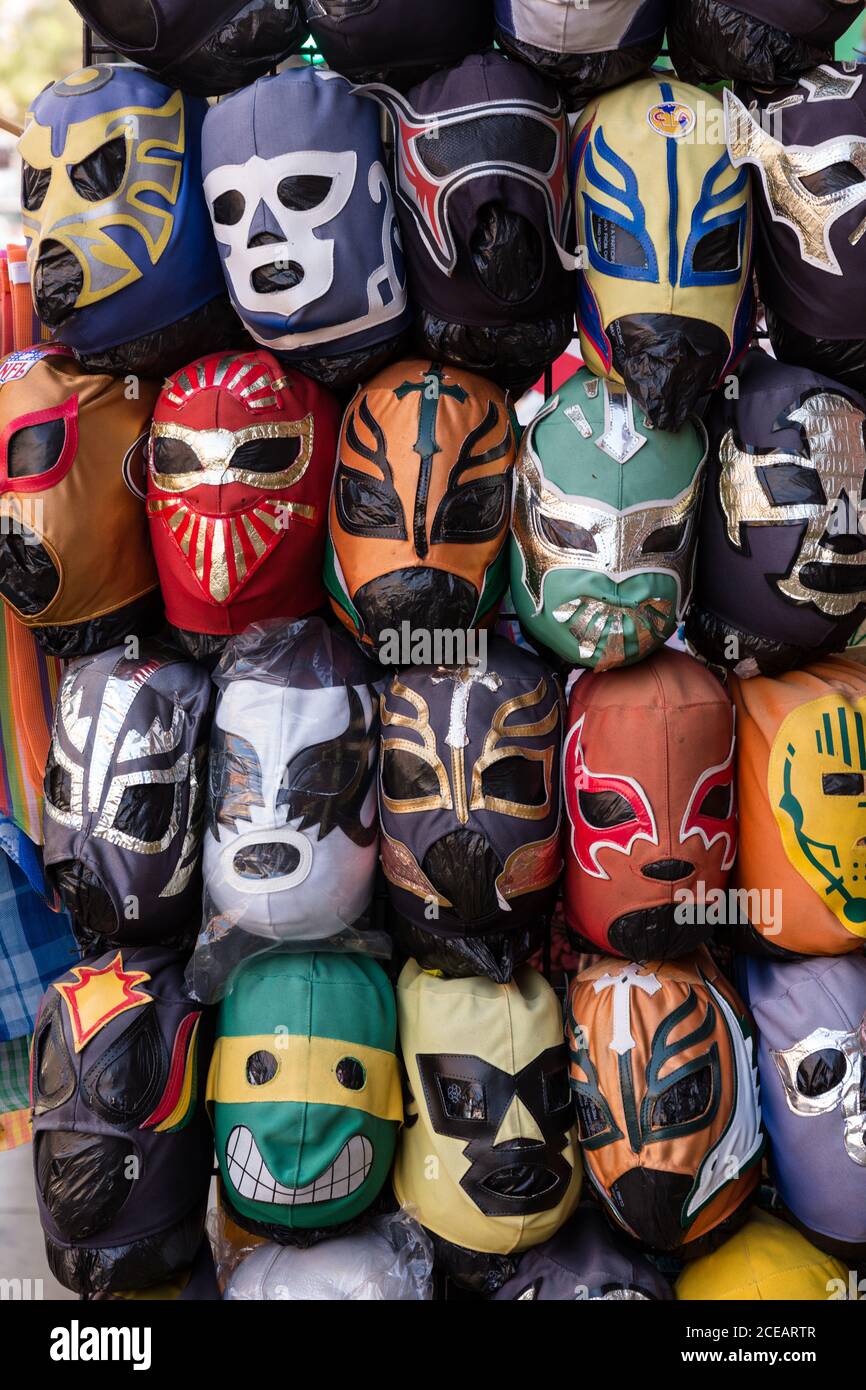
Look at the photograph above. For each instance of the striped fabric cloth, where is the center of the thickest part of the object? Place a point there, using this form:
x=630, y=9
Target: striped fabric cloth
x=14, y=1074
x=15, y=1129
x=28, y=688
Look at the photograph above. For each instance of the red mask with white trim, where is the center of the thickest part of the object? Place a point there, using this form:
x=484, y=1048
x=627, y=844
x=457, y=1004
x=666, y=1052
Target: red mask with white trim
x=240, y=463
x=652, y=830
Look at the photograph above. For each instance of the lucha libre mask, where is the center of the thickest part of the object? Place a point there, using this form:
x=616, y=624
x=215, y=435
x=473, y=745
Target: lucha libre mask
x=666, y=1091
x=602, y=548
x=761, y=41
x=304, y=219
x=648, y=775
x=208, y=52
x=487, y=1072
x=469, y=799
x=583, y=49
x=664, y=222
x=305, y=1090
x=292, y=833
x=241, y=461
x=811, y=1022
x=481, y=175
x=421, y=501
x=765, y=1261
x=781, y=567
x=801, y=764
x=124, y=795
x=121, y=258
x=121, y=1144
x=810, y=204
x=585, y=1261
x=394, y=41
x=72, y=441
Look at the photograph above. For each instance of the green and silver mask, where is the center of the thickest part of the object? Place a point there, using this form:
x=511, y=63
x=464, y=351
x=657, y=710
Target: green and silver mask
x=604, y=524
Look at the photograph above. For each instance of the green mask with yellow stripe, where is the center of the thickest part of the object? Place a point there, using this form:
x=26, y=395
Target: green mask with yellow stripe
x=304, y=1088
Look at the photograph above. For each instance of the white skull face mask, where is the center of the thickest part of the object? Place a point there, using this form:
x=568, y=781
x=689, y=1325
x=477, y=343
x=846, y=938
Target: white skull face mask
x=292, y=836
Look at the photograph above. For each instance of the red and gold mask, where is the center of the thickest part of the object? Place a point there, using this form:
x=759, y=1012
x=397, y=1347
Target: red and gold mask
x=240, y=463
x=663, y=1076
x=649, y=794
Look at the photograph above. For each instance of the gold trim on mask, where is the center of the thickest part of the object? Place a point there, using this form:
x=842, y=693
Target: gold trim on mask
x=425, y=751
x=401, y=868
x=492, y=753
x=215, y=448
x=529, y=868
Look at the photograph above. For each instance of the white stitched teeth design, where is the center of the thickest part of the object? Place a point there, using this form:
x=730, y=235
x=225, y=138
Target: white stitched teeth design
x=252, y=1180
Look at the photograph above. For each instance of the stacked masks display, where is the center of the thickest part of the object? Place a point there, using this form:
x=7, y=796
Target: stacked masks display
x=72, y=441
x=304, y=220
x=122, y=1148
x=124, y=796
x=585, y=1261
x=481, y=177
x=469, y=799
x=604, y=525
x=488, y=1084
x=648, y=768
x=811, y=1022
x=765, y=1261
x=801, y=764
x=397, y=41
x=292, y=835
x=241, y=460
x=122, y=262
x=305, y=1093
x=665, y=303
x=781, y=560
x=208, y=53
x=666, y=1091
x=584, y=50
x=762, y=41
x=421, y=502
x=806, y=148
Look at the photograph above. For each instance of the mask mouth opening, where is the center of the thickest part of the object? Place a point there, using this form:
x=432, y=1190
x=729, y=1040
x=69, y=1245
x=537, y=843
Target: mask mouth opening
x=281, y=274
x=269, y=861
x=29, y=578
x=58, y=281
x=507, y=254
x=835, y=579
x=266, y=860
x=83, y=1180
x=84, y=897
x=464, y=868
x=524, y=1181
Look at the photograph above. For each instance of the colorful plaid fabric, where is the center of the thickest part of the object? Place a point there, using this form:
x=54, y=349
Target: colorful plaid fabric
x=15, y=1129
x=36, y=945
x=28, y=688
x=15, y=1074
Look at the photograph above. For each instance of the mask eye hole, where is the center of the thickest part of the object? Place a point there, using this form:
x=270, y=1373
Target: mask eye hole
x=717, y=802
x=228, y=208
x=842, y=784
x=516, y=779
x=603, y=810
x=832, y=179
x=174, y=456
x=301, y=192
x=351, y=1073
x=35, y=449
x=261, y=1067
x=686, y=1099
x=125, y=1084
x=267, y=455
x=101, y=174
x=145, y=811
x=365, y=507
x=53, y=1077
x=616, y=245
x=461, y=1099
x=718, y=250
x=821, y=1071
x=664, y=538
x=565, y=535
x=34, y=186
x=405, y=777
x=791, y=484
x=474, y=512
x=557, y=1092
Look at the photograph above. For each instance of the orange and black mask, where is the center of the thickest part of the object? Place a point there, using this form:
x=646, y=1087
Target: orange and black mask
x=421, y=503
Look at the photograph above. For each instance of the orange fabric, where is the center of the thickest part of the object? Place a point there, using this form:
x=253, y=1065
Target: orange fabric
x=32, y=716
x=7, y=339
x=15, y=1129
x=25, y=326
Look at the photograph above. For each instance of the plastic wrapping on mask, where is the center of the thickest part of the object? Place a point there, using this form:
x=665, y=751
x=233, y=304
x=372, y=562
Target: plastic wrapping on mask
x=841, y=359
x=204, y=647
x=139, y=1265
x=344, y=371
x=28, y=576
x=513, y=355
x=749, y=941
x=667, y=363
x=653, y=933
x=60, y=280
x=198, y=1284
x=474, y=1270
x=580, y=76
x=241, y=50
x=300, y=1238
x=712, y=638
x=142, y=619
x=389, y=1259
x=494, y=954
x=390, y=41
x=168, y=349
x=709, y=40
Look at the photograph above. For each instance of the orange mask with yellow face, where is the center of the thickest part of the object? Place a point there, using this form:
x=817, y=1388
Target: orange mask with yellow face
x=664, y=1082
x=421, y=503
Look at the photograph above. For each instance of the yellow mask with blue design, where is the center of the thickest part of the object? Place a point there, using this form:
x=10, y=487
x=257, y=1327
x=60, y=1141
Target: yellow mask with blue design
x=664, y=224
